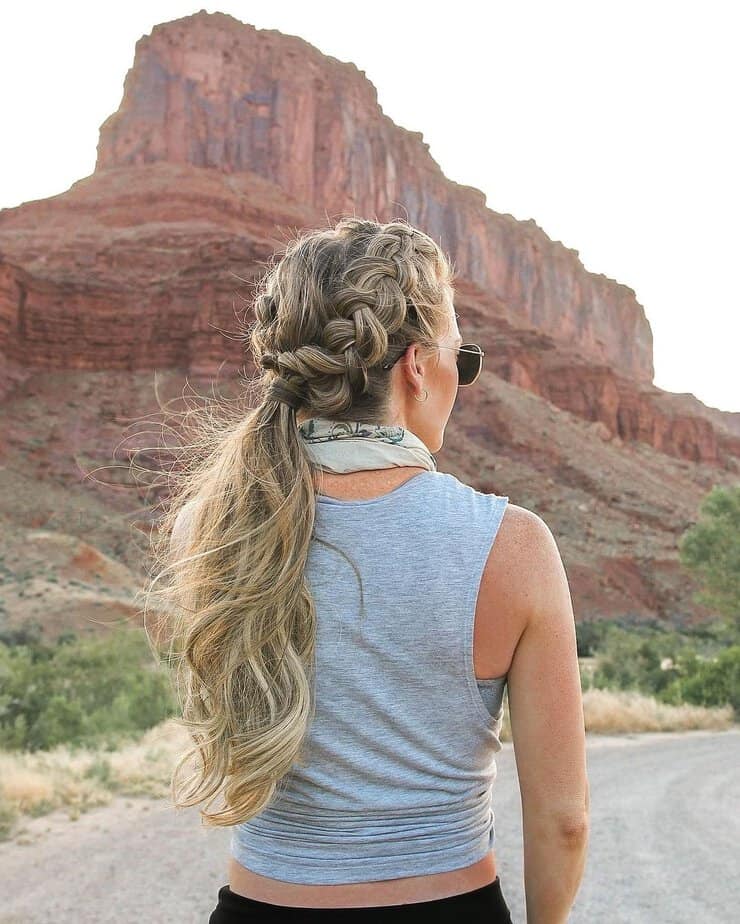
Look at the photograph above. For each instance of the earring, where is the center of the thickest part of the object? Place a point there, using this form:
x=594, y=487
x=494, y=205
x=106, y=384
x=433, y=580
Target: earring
x=426, y=395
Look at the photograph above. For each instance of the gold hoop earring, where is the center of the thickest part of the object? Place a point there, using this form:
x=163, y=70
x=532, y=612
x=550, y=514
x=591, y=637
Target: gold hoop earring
x=426, y=395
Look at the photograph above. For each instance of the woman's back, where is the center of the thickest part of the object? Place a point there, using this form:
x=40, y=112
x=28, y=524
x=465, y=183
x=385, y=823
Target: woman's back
x=523, y=636
x=407, y=751
x=398, y=764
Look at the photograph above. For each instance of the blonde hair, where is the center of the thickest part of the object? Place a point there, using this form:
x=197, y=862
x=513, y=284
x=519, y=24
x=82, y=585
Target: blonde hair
x=234, y=541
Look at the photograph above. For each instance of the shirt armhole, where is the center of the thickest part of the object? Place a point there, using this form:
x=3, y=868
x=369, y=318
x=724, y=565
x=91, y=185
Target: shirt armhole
x=499, y=504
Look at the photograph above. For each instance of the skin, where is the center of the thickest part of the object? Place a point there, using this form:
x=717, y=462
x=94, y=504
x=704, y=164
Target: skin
x=411, y=376
x=438, y=375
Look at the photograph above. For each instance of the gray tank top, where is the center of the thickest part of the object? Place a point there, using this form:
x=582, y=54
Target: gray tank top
x=399, y=760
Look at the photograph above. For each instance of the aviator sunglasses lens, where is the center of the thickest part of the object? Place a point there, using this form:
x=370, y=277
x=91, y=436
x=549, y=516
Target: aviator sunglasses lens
x=468, y=363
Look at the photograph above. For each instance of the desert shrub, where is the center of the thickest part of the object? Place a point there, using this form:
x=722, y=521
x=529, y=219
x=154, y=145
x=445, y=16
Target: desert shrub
x=631, y=659
x=28, y=634
x=80, y=691
x=714, y=682
x=693, y=666
x=710, y=550
x=589, y=636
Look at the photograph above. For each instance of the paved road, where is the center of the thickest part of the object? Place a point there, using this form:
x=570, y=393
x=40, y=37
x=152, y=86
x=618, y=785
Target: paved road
x=665, y=830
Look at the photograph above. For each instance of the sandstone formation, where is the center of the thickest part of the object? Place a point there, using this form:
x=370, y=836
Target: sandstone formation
x=210, y=91
x=228, y=141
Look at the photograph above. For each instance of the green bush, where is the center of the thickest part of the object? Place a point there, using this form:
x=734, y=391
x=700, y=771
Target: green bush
x=589, y=636
x=710, y=549
x=80, y=691
x=28, y=634
x=707, y=683
x=702, y=669
x=630, y=659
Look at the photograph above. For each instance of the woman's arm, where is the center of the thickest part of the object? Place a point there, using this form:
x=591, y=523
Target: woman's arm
x=547, y=724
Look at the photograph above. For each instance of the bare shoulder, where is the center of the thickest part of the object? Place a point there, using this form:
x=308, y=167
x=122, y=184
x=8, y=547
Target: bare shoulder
x=519, y=525
x=530, y=592
x=522, y=567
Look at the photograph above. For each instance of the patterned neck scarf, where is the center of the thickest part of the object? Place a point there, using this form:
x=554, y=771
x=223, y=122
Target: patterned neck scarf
x=341, y=446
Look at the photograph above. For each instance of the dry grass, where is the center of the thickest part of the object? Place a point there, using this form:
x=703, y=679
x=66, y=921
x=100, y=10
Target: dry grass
x=617, y=712
x=614, y=712
x=76, y=780
x=34, y=784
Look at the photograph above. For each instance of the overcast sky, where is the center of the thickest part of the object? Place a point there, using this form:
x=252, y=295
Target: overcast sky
x=612, y=124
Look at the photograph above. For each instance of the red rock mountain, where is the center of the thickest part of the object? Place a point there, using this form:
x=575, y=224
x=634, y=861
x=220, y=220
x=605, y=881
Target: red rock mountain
x=228, y=140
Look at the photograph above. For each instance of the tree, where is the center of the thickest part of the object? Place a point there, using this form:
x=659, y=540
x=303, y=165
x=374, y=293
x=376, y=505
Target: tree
x=711, y=549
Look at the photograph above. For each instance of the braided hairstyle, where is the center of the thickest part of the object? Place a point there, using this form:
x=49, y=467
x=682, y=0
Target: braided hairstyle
x=339, y=305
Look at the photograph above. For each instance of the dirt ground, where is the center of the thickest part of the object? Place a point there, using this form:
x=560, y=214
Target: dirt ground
x=662, y=849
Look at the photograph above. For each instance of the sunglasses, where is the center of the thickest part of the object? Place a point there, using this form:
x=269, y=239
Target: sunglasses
x=469, y=362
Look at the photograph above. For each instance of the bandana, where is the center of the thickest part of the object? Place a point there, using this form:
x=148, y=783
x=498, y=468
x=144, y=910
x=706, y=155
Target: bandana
x=342, y=446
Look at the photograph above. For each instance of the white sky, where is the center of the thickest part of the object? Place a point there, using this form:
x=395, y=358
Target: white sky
x=612, y=124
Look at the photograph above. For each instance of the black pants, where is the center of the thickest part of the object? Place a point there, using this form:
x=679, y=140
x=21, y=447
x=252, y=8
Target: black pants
x=481, y=905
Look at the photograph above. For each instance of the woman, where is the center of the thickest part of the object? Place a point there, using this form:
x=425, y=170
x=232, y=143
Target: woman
x=348, y=623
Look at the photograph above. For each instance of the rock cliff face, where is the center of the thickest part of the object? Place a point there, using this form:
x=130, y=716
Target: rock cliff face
x=136, y=268
x=144, y=267
x=218, y=155
x=213, y=92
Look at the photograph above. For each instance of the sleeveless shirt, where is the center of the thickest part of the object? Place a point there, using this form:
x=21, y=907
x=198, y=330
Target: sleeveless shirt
x=399, y=760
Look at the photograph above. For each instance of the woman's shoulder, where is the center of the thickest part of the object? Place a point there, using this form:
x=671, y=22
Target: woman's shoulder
x=523, y=561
